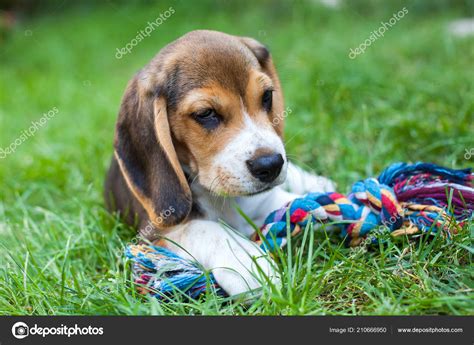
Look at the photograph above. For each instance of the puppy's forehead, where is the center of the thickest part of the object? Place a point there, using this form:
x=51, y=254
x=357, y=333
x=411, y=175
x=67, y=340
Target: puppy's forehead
x=200, y=59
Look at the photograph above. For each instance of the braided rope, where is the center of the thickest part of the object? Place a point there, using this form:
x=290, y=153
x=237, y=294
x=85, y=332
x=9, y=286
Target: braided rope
x=405, y=199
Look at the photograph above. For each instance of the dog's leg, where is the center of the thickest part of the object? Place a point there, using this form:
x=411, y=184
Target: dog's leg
x=301, y=182
x=233, y=259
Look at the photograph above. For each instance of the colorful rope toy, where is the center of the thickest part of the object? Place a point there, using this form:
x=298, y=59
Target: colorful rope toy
x=405, y=199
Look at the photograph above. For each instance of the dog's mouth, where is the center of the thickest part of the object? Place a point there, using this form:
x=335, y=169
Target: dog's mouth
x=241, y=191
x=238, y=193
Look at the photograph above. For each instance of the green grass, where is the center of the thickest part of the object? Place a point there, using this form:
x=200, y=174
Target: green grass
x=410, y=97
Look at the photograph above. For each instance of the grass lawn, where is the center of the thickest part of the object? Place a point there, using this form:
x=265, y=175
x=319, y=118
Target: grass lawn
x=409, y=97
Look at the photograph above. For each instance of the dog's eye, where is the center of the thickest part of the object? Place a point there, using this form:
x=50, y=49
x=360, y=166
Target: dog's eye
x=207, y=118
x=267, y=100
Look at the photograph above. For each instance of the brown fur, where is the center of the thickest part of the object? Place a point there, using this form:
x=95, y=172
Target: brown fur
x=156, y=136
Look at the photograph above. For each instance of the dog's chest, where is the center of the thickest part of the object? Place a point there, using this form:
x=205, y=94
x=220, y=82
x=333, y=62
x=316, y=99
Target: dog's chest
x=220, y=209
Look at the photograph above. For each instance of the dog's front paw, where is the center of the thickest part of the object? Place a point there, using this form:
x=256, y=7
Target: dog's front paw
x=237, y=263
x=318, y=184
x=301, y=182
x=244, y=268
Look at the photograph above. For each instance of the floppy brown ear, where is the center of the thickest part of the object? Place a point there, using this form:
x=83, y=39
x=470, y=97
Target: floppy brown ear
x=264, y=58
x=145, y=153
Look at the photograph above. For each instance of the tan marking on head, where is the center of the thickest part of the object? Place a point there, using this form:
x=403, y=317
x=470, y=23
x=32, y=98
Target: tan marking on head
x=203, y=145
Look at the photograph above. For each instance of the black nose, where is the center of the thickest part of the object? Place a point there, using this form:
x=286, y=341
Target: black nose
x=266, y=168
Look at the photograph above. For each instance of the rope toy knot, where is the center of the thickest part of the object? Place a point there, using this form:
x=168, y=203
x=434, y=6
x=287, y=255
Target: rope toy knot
x=378, y=205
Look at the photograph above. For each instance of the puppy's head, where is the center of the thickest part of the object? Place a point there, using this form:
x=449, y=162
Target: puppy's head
x=208, y=102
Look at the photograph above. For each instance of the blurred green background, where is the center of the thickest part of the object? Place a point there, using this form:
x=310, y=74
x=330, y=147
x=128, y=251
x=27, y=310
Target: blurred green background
x=409, y=97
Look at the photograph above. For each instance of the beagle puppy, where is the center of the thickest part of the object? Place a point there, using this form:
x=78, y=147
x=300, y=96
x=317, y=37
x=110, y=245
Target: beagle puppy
x=198, y=136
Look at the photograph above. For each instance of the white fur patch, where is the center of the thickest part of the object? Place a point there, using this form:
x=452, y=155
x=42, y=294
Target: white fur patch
x=236, y=262
x=301, y=182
